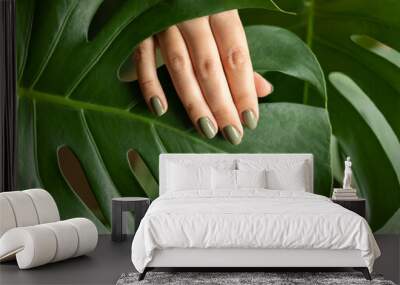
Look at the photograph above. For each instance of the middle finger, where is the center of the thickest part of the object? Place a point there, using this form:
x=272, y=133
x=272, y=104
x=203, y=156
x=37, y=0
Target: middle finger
x=210, y=75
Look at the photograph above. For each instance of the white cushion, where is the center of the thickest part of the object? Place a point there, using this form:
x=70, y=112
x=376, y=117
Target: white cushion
x=182, y=178
x=40, y=244
x=26, y=208
x=34, y=244
x=251, y=178
x=45, y=205
x=223, y=179
x=7, y=218
x=87, y=235
x=281, y=174
x=23, y=208
x=67, y=239
x=287, y=179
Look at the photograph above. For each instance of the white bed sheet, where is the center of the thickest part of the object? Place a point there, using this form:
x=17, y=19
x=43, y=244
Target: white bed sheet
x=250, y=218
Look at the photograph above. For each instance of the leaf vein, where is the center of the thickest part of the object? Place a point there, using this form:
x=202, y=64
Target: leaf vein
x=53, y=45
x=157, y=139
x=27, y=44
x=80, y=105
x=92, y=141
x=35, y=144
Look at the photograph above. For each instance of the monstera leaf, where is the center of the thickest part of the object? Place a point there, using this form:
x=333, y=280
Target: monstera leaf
x=71, y=102
x=357, y=43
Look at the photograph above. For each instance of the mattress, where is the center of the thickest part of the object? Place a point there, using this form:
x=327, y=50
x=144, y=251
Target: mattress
x=250, y=219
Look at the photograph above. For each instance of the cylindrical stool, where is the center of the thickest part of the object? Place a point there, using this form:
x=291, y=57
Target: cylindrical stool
x=138, y=205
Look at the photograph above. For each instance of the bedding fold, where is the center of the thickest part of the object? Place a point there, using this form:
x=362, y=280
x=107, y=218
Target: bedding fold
x=250, y=218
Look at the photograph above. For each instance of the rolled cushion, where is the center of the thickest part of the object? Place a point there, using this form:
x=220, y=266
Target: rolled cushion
x=33, y=246
x=41, y=244
x=7, y=218
x=87, y=235
x=26, y=208
x=67, y=240
x=23, y=208
x=45, y=205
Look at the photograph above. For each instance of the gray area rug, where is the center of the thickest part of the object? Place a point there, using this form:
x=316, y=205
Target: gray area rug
x=233, y=278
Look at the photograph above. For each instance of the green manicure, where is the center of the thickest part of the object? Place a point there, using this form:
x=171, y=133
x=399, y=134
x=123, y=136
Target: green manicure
x=207, y=127
x=249, y=119
x=232, y=135
x=156, y=105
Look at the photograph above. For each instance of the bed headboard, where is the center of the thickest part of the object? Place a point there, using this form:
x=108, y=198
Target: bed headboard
x=215, y=159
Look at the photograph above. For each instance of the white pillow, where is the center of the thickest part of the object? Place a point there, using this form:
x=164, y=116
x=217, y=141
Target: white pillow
x=251, y=178
x=282, y=174
x=293, y=179
x=223, y=179
x=182, y=178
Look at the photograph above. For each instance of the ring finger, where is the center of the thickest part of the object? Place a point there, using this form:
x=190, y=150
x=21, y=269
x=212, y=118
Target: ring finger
x=177, y=59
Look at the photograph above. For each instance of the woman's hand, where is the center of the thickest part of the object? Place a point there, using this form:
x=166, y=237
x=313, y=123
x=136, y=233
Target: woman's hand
x=209, y=63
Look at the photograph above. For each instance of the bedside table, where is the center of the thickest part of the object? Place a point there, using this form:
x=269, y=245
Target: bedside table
x=137, y=205
x=355, y=205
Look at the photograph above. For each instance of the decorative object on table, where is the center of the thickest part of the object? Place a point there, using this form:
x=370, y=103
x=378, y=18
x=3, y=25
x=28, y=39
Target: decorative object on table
x=347, y=192
x=344, y=194
x=355, y=205
x=248, y=278
x=31, y=230
x=348, y=174
x=138, y=205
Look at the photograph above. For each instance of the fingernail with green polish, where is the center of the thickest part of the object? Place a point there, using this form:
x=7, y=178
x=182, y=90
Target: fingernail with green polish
x=232, y=135
x=207, y=127
x=157, y=106
x=249, y=119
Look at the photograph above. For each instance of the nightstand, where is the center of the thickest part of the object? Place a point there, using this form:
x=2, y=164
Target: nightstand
x=356, y=205
x=137, y=205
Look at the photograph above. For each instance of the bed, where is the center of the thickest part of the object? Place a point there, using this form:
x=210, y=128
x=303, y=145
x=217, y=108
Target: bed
x=246, y=211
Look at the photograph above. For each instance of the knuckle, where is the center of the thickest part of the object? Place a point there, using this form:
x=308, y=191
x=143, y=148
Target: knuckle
x=236, y=58
x=147, y=83
x=220, y=113
x=241, y=99
x=177, y=62
x=206, y=67
x=190, y=107
x=139, y=53
x=143, y=48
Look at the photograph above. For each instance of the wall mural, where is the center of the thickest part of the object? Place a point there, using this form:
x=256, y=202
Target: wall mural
x=75, y=113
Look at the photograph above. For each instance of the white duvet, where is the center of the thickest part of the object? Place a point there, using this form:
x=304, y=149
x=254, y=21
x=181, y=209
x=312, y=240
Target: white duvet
x=253, y=218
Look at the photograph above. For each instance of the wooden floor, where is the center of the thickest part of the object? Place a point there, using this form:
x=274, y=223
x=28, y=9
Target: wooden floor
x=110, y=260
